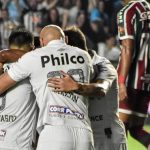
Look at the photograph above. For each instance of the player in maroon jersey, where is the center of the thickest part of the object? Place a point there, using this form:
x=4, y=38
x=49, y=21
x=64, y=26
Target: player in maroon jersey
x=134, y=67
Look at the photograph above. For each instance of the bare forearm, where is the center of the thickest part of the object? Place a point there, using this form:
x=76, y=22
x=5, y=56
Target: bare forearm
x=93, y=89
x=10, y=56
x=126, y=58
x=68, y=84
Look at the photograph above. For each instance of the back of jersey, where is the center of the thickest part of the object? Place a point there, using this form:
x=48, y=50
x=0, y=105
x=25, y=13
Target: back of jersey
x=56, y=108
x=18, y=112
x=103, y=110
x=134, y=23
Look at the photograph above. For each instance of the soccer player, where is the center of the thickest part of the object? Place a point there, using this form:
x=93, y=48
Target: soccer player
x=134, y=67
x=18, y=108
x=108, y=130
x=63, y=121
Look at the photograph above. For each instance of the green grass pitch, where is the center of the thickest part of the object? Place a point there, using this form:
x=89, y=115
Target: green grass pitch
x=134, y=145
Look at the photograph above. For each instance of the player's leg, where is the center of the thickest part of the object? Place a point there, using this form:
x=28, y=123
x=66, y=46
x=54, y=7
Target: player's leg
x=136, y=131
x=138, y=118
x=125, y=117
x=125, y=110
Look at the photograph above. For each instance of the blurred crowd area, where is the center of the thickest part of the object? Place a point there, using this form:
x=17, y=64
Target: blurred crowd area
x=96, y=18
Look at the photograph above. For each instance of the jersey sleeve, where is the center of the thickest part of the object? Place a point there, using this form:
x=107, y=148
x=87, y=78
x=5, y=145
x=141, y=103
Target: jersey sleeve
x=89, y=64
x=105, y=71
x=21, y=69
x=125, y=21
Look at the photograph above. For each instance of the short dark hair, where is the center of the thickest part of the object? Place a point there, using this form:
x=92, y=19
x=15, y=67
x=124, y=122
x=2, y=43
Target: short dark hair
x=37, y=42
x=21, y=37
x=75, y=37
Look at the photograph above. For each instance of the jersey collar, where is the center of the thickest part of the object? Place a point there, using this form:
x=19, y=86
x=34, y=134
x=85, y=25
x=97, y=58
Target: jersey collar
x=56, y=42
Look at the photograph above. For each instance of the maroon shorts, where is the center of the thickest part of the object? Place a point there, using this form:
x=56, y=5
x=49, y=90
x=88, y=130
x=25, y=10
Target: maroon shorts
x=136, y=104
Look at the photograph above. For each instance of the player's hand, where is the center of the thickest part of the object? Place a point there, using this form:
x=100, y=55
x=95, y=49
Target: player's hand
x=122, y=92
x=65, y=84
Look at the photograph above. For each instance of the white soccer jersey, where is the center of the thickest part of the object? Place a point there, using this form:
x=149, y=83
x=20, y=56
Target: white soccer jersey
x=103, y=111
x=18, y=117
x=56, y=108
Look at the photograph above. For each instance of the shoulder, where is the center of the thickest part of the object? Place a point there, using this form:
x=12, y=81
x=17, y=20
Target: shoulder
x=131, y=6
x=77, y=50
x=97, y=59
x=33, y=52
x=103, y=64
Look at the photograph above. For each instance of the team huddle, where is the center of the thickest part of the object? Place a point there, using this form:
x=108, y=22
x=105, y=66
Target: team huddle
x=60, y=95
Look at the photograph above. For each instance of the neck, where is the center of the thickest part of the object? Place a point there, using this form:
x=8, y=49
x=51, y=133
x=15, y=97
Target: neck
x=126, y=1
x=21, y=48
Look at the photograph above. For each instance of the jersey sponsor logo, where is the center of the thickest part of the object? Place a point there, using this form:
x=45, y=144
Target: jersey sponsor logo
x=63, y=59
x=96, y=118
x=65, y=110
x=121, y=31
x=145, y=16
x=7, y=118
x=2, y=134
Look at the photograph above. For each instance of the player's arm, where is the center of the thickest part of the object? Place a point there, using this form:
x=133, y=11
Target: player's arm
x=104, y=75
x=6, y=82
x=124, y=66
x=17, y=72
x=10, y=55
x=68, y=84
x=126, y=35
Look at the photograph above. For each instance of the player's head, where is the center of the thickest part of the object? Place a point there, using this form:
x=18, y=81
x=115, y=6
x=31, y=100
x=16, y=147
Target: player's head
x=49, y=33
x=21, y=39
x=75, y=37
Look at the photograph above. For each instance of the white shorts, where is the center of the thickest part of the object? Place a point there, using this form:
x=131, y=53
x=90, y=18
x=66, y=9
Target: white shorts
x=8, y=147
x=115, y=141
x=108, y=145
x=65, y=138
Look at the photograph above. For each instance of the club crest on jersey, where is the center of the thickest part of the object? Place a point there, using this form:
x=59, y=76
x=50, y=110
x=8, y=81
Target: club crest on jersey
x=2, y=134
x=63, y=59
x=121, y=30
x=145, y=16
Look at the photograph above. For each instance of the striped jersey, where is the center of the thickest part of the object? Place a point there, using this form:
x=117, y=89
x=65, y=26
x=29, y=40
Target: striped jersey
x=134, y=23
